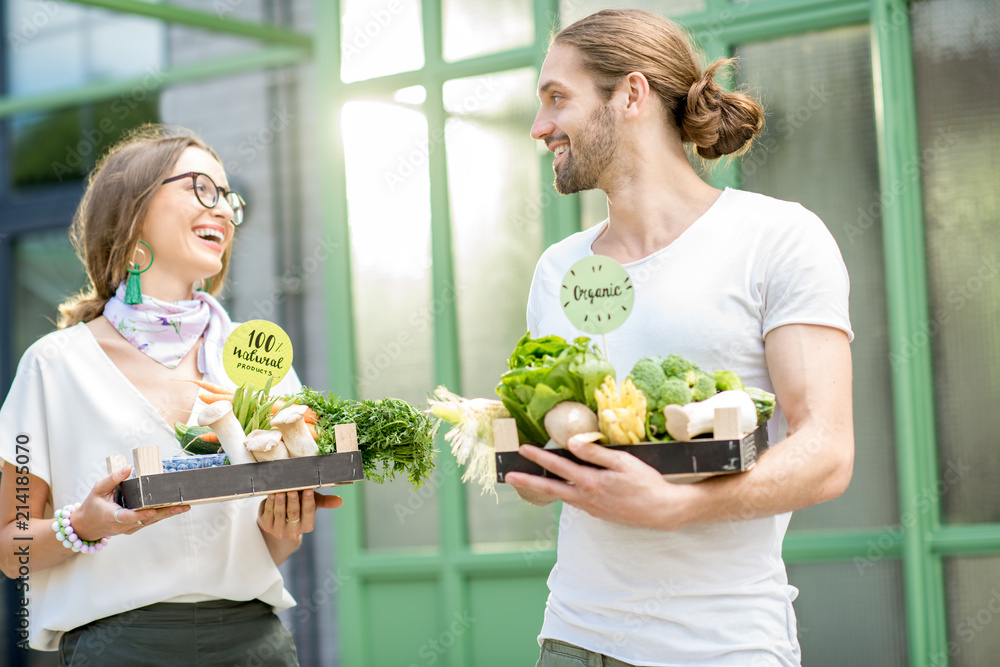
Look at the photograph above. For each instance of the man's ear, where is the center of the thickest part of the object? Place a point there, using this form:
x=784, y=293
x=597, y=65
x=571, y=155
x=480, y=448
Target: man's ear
x=636, y=87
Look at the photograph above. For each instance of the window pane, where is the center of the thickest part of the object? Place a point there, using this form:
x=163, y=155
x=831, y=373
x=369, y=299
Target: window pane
x=574, y=10
x=973, y=592
x=379, y=38
x=56, y=45
x=477, y=27
x=850, y=616
x=46, y=273
x=956, y=60
x=390, y=222
x=493, y=182
x=819, y=149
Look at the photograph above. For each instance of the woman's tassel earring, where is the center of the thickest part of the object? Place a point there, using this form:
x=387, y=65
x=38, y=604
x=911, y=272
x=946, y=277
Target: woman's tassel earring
x=133, y=284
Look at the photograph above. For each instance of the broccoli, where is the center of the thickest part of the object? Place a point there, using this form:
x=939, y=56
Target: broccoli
x=675, y=392
x=764, y=401
x=656, y=426
x=676, y=366
x=727, y=380
x=704, y=386
x=648, y=377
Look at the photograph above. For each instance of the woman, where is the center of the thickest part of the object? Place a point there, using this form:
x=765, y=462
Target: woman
x=179, y=585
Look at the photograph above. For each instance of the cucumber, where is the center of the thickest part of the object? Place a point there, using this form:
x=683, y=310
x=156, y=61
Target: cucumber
x=193, y=444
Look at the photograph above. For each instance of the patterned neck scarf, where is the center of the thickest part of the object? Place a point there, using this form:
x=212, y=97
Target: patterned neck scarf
x=167, y=331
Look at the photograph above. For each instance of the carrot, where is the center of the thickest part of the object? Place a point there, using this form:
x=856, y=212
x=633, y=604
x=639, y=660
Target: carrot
x=214, y=398
x=209, y=436
x=212, y=388
x=312, y=431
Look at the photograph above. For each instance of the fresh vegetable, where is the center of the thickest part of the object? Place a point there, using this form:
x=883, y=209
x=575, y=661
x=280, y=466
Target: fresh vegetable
x=727, y=381
x=568, y=419
x=764, y=401
x=675, y=381
x=546, y=371
x=266, y=445
x=220, y=418
x=471, y=437
x=393, y=436
x=196, y=439
x=685, y=422
x=294, y=431
x=253, y=407
x=622, y=415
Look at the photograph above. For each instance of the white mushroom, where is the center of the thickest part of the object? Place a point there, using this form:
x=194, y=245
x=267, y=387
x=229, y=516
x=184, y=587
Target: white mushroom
x=294, y=432
x=220, y=418
x=266, y=445
x=567, y=419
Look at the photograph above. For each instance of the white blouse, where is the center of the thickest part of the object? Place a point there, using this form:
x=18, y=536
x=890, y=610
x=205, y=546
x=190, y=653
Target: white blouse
x=76, y=409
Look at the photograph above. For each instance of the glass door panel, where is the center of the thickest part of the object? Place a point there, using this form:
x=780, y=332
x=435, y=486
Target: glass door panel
x=819, y=149
x=493, y=183
x=388, y=201
x=956, y=61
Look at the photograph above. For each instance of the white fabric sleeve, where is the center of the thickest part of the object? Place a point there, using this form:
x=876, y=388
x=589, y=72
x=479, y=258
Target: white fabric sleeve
x=805, y=279
x=24, y=417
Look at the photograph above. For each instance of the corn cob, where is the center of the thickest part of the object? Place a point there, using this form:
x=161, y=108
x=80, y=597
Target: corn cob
x=621, y=415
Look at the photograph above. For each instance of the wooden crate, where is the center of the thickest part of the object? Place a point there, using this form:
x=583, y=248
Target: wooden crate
x=151, y=487
x=677, y=461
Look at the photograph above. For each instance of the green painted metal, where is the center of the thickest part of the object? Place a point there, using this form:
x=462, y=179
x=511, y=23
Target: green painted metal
x=863, y=547
x=906, y=286
x=217, y=22
x=447, y=366
x=965, y=540
x=140, y=86
x=337, y=282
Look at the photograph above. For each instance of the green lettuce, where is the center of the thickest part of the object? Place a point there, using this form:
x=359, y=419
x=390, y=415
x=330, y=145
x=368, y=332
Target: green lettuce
x=547, y=371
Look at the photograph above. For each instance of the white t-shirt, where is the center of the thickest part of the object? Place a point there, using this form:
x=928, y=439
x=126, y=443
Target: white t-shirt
x=712, y=594
x=77, y=408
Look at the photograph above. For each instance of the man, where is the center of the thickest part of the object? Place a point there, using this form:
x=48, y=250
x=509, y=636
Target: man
x=649, y=572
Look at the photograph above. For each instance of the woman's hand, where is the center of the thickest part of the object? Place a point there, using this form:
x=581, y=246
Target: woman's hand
x=286, y=516
x=100, y=516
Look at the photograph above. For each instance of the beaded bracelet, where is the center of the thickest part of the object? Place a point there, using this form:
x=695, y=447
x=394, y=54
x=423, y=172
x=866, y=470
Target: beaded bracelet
x=69, y=538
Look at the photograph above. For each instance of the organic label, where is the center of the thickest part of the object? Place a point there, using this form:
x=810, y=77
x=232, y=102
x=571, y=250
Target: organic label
x=255, y=351
x=597, y=294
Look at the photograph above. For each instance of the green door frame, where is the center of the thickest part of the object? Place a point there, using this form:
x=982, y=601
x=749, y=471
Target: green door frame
x=921, y=541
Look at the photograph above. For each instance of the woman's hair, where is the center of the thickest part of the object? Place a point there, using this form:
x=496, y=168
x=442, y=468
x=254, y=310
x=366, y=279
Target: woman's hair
x=616, y=42
x=106, y=228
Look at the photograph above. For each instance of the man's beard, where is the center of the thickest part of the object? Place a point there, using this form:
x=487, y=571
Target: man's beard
x=590, y=154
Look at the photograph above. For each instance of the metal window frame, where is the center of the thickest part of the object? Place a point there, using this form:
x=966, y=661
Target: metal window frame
x=924, y=541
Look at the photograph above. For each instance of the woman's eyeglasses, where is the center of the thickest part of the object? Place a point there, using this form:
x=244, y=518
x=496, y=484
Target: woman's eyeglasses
x=208, y=193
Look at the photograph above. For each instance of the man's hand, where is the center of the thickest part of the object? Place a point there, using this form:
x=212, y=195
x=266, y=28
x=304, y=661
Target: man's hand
x=810, y=367
x=625, y=491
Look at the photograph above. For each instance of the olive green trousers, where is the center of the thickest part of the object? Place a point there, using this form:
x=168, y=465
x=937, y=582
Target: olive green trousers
x=560, y=654
x=216, y=633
